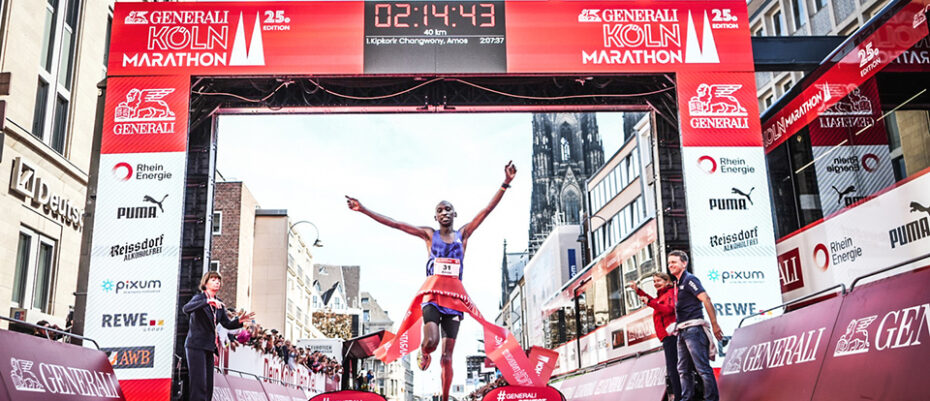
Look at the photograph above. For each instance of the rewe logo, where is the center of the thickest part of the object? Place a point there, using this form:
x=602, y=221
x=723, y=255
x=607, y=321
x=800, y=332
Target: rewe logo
x=695, y=53
x=255, y=54
x=716, y=100
x=856, y=338
x=589, y=15
x=23, y=378
x=137, y=17
x=129, y=320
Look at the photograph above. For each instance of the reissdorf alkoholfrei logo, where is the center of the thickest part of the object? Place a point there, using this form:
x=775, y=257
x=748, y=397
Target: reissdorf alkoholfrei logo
x=726, y=165
x=789, y=270
x=138, y=249
x=740, y=202
x=735, y=240
x=142, y=212
x=131, y=357
x=715, y=107
x=124, y=171
x=200, y=38
x=914, y=231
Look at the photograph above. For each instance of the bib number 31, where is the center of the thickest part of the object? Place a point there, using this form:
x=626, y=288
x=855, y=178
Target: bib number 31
x=447, y=267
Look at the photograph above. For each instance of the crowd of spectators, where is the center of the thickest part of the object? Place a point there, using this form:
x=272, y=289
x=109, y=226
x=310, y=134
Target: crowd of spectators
x=271, y=342
x=484, y=390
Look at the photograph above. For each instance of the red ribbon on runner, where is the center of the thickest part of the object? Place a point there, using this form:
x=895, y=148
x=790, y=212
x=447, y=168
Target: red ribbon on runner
x=499, y=344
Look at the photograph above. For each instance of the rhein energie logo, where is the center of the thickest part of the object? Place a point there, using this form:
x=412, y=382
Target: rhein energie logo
x=715, y=107
x=143, y=172
x=736, y=203
x=142, y=212
x=913, y=231
x=139, y=249
x=727, y=165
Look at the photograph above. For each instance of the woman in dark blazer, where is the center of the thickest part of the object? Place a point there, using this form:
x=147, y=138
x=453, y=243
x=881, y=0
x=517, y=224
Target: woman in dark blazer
x=206, y=311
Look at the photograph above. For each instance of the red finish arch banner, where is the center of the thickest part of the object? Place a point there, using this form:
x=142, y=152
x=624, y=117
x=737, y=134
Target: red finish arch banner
x=158, y=47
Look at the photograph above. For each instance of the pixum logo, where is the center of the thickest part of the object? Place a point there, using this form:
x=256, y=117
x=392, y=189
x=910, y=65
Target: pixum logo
x=23, y=378
x=913, y=231
x=736, y=276
x=131, y=286
x=131, y=357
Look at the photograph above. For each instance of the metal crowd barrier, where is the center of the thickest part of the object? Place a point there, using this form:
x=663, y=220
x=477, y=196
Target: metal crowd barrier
x=260, y=378
x=47, y=329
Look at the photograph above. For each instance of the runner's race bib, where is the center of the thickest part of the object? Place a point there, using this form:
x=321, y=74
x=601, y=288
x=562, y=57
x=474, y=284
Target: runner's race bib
x=447, y=267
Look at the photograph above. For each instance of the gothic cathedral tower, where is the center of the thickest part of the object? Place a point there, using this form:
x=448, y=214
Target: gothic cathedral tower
x=566, y=151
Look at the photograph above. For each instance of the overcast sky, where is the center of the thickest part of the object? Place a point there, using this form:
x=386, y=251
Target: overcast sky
x=399, y=165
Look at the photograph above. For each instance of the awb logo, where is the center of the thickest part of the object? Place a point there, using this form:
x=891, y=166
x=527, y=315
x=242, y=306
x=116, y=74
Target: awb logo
x=131, y=357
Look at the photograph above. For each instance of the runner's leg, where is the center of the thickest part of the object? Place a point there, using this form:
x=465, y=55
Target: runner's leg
x=431, y=317
x=448, y=344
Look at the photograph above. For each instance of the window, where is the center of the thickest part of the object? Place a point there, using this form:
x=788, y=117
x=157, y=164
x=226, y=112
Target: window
x=217, y=223
x=56, y=72
x=800, y=13
x=35, y=268
x=778, y=25
x=366, y=316
x=214, y=266
x=566, y=150
x=759, y=32
x=769, y=99
x=785, y=87
x=819, y=5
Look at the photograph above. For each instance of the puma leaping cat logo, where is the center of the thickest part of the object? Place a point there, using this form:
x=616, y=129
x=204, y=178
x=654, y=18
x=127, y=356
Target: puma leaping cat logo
x=152, y=200
x=747, y=195
x=916, y=207
x=850, y=189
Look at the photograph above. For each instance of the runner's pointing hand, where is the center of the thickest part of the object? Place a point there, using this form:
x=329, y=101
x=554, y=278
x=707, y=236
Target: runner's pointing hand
x=353, y=203
x=509, y=172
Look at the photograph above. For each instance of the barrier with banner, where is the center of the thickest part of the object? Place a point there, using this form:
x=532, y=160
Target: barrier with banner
x=521, y=393
x=39, y=369
x=640, y=378
x=871, y=343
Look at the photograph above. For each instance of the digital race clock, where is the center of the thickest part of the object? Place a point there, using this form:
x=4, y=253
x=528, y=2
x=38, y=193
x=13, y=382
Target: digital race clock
x=435, y=36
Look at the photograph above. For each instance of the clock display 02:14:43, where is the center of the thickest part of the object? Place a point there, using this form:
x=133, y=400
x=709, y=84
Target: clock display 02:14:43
x=439, y=14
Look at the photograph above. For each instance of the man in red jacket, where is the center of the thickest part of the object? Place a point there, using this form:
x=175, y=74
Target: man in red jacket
x=663, y=316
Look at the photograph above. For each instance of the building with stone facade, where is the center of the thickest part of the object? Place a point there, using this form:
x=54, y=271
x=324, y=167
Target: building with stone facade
x=52, y=57
x=394, y=380
x=567, y=149
x=511, y=271
x=231, y=250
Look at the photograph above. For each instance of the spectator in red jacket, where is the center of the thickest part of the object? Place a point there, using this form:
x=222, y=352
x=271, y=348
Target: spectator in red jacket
x=663, y=316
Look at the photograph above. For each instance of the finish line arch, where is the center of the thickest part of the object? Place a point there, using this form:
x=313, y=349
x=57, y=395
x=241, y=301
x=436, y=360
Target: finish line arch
x=173, y=67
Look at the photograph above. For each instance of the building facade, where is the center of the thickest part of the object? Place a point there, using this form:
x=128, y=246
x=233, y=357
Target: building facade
x=567, y=150
x=394, y=380
x=52, y=57
x=512, y=265
x=338, y=287
x=231, y=250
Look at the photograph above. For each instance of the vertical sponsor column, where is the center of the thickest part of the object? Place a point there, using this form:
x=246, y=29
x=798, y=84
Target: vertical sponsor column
x=850, y=147
x=133, y=280
x=729, y=214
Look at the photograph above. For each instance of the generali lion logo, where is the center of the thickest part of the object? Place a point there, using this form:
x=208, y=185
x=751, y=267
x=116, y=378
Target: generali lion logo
x=137, y=17
x=145, y=105
x=856, y=338
x=853, y=104
x=589, y=15
x=716, y=100
x=23, y=378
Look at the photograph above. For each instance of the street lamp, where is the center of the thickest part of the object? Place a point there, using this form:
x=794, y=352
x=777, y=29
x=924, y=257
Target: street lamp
x=587, y=240
x=316, y=242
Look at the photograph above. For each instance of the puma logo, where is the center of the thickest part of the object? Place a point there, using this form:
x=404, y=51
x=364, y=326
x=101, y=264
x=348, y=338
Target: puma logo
x=850, y=189
x=746, y=195
x=152, y=200
x=916, y=207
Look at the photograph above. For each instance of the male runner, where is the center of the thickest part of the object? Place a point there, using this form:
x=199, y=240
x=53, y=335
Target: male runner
x=446, y=250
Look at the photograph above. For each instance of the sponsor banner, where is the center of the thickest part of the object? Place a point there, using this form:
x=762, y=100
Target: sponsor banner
x=323, y=37
x=570, y=36
x=870, y=55
x=915, y=59
x=297, y=394
x=763, y=357
x=850, y=149
x=35, y=368
x=221, y=389
x=735, y=257
x=888, y=229
x=348, y=395
x=640, y=378
x=276, y=392
x=248, y=360
x=135, y=254
x=246, y=388
x=146, y=114
x=718, y=109
x=880, y=342
x=646, y=378
x=630, y=334
x=521, y=393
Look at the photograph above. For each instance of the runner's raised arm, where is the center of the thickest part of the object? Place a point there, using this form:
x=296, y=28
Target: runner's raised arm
x=509, y=172
x=424, y=233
